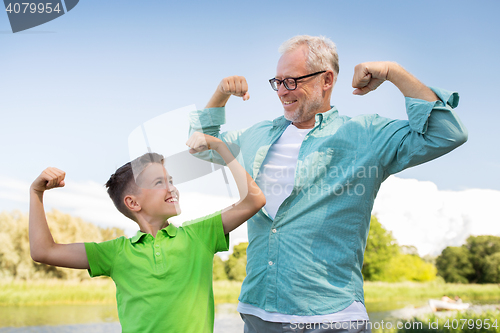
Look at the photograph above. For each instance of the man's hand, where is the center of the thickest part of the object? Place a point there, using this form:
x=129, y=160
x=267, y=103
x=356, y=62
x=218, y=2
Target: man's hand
x=48, y=179
x=232, y=85
x=368, y=76
x=199, y=142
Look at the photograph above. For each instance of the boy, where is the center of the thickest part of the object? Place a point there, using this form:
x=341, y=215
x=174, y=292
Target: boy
x=163, y=275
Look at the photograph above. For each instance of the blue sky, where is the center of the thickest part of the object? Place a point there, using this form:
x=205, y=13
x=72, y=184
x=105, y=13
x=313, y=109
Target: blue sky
x=72, y=90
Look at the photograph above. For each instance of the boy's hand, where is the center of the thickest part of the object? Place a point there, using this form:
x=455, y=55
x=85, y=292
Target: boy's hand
x=199, y=142
x=48, y=179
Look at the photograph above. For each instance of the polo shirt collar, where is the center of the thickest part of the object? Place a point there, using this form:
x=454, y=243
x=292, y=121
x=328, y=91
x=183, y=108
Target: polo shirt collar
x=137, y=236
x=171, y=230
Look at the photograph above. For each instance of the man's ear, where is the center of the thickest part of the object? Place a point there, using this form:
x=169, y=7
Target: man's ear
x=329, y=80
x=132, y=203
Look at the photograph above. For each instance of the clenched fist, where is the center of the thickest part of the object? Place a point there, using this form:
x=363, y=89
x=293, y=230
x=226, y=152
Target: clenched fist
x=234, y=85
x=368, y=76
x=199, y=142
x=48, y=179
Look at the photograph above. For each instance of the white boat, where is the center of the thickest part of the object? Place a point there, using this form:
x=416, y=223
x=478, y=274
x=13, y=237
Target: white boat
x=438, y=305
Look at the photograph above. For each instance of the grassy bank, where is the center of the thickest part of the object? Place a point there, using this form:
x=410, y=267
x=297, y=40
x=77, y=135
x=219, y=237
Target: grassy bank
x=384, y=291
x=22, y=293
x=98, y=291
x=19, y=293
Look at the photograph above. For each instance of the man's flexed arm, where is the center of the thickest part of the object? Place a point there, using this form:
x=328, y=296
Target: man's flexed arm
x=432, y=130
x=232, y=85
x=369, y=75
x=210, y=119
x=42, y=246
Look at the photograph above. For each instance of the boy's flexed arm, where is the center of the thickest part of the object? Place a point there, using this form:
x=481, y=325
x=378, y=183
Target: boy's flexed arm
x=42, y=246
x=251, y=197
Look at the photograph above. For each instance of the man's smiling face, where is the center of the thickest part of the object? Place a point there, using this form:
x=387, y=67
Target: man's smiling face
x=300, y=105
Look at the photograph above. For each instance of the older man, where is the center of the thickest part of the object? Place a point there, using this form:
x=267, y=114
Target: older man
x=320, y=172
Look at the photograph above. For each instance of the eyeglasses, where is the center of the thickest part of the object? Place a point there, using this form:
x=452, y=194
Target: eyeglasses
x=290, y=83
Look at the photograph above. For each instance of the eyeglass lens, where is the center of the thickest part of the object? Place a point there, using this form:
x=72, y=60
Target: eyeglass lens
x=290, y=84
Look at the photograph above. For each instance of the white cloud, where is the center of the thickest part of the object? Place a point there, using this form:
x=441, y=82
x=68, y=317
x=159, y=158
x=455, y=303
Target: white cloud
x=419, y=214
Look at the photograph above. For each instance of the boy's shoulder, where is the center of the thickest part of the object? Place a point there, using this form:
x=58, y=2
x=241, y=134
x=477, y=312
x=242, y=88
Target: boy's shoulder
x=213, y=218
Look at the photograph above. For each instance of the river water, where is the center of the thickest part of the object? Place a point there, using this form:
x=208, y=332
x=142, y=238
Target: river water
x=90, y=319
x=227, y=325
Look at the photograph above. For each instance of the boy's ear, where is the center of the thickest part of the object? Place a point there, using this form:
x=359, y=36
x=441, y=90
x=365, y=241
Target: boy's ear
x=132, y=203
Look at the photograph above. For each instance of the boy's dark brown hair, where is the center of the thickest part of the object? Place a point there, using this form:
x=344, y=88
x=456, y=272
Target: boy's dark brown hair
x=123, y=181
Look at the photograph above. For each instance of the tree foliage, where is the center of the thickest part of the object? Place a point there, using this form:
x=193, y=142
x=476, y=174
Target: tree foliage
x=481, y=248
x=219, y=269
x=407, y=267
x=381, y=247
x=454, y=264
x=15, y=259
x=477, y=261
x=237, y=262
x=386, y=261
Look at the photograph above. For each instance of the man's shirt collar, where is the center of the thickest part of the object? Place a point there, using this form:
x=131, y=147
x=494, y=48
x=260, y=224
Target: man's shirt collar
x=321, y=118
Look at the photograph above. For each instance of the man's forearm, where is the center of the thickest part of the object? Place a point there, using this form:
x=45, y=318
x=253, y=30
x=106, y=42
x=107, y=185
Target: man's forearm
x=217, y=100
x=408, y=84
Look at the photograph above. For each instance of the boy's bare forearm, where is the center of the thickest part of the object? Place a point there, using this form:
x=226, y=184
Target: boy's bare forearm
x=251, y=197
x=40, y=238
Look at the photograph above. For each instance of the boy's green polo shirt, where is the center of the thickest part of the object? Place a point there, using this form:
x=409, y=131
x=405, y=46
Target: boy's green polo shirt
x=163, y=284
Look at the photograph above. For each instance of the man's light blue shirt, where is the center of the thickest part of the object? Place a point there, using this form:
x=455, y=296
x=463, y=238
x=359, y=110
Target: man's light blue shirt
x=308, y=260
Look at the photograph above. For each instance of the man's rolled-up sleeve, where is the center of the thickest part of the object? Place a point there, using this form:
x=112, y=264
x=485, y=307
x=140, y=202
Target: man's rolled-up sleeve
x=432, y=130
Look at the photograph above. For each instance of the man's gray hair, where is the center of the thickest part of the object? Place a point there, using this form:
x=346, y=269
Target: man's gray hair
x=322, y=52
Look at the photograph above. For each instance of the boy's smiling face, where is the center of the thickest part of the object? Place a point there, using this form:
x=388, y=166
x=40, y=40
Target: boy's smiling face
x=158, y=196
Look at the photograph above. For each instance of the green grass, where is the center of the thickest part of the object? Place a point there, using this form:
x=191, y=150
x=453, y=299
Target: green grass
x=226, y=291
x=400, y=291
x=22, y=293
x=102, y=291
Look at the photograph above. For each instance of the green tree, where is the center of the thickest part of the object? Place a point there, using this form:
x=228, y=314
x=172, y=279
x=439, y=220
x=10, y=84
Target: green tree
x=480, y=249
x=408, y=267
x=219, y=270
x=15, y=258
x=237, y=262
x=381, y=247
x=492, y=268
x=454, y=264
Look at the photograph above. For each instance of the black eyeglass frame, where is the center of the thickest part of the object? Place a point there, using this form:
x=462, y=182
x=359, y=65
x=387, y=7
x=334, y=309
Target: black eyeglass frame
x=290, y=78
